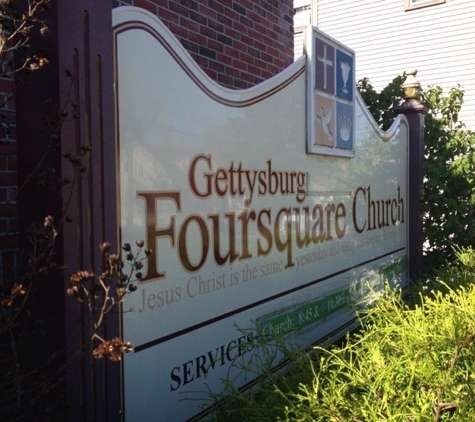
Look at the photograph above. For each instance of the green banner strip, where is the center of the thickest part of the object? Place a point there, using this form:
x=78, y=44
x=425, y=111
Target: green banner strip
x=318, y=310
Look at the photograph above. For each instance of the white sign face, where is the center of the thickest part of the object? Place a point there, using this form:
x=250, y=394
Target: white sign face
x=244, y=225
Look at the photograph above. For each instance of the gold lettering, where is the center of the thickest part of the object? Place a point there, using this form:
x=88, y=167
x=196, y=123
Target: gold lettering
x=154, y=233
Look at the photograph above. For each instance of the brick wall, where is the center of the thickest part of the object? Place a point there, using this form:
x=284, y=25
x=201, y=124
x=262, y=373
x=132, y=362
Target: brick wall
x=237, y=43
x=8, y=181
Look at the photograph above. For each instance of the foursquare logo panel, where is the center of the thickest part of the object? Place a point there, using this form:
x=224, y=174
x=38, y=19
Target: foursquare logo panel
x=331, y=102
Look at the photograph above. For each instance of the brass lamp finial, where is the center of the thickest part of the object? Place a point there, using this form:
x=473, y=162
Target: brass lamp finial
x=411, y=86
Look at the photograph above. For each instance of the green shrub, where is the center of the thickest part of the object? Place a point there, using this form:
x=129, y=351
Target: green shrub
x=405, y=364
x=412, y=360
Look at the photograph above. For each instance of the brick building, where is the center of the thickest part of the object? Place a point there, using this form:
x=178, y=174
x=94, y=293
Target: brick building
x=238, y=43
x=8, y=179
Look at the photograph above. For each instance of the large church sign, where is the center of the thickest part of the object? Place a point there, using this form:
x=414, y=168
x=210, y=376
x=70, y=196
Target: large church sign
x=260, y=211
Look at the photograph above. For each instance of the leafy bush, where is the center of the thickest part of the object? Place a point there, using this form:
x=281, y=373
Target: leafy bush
x=449, y=167
x=381, y=104
x=412, y=360
x=448, y=202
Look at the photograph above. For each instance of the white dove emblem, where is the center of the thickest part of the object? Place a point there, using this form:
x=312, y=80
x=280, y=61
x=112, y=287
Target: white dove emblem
x=324, y=121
